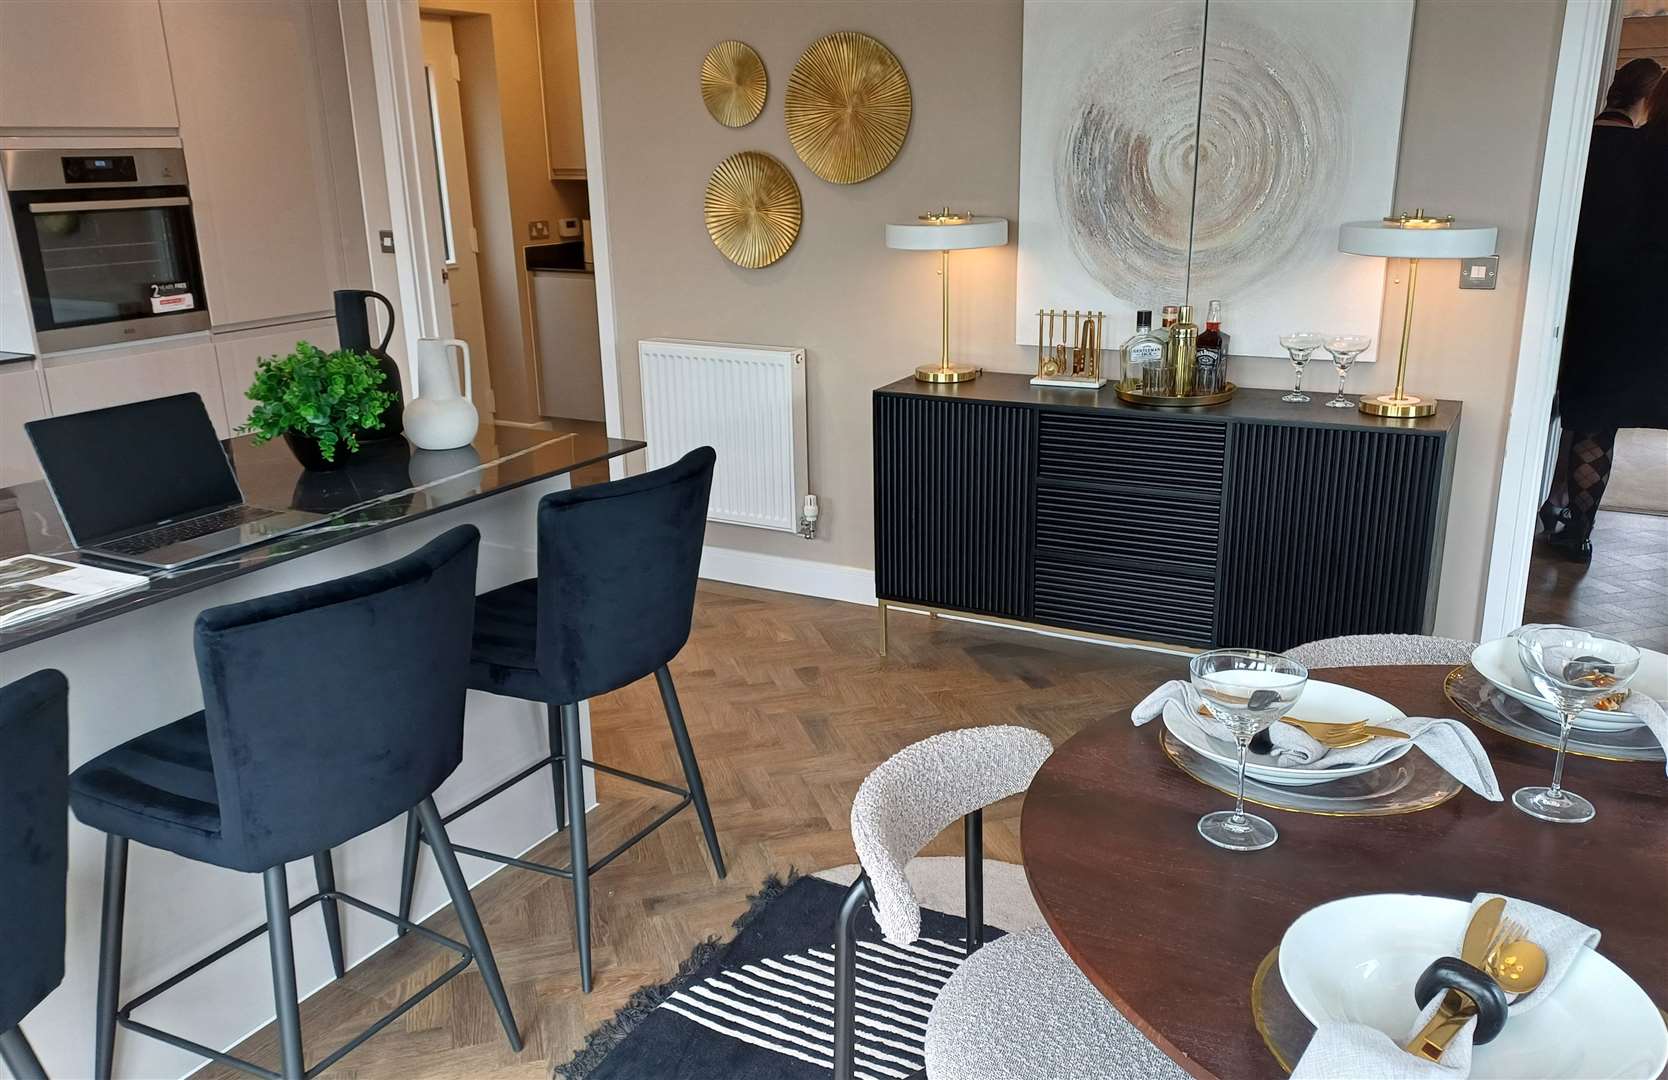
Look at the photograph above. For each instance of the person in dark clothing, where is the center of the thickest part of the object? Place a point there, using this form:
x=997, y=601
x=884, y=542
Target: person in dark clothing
x=1630, y=90
x=1614, y=369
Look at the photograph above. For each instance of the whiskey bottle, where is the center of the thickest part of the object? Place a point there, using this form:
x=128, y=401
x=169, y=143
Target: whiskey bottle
x=1212, y=376
x=1144, y=357
x=1182, y=352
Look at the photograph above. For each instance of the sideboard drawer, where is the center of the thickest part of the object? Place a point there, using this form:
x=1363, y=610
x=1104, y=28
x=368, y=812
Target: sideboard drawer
x=1150, y=605
x=1144, y=451
x=1127, y=525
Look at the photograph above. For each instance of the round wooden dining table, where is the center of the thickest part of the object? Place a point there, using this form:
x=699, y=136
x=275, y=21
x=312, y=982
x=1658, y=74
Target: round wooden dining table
x=1173, y=929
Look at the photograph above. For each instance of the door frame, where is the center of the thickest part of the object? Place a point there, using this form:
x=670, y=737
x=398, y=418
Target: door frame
x=408, y=154
x=1581, y=65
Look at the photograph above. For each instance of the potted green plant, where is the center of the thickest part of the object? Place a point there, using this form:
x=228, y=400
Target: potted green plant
x=319, y=402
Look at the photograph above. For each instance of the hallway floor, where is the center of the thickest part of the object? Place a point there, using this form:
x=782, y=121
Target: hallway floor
x=1623, y=591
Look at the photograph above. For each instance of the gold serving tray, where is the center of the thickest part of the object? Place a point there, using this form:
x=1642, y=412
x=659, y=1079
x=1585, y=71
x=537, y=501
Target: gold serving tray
x=1137, y=397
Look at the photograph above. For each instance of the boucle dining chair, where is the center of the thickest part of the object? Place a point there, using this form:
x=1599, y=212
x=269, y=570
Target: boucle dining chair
x=1381, y=650
x=1015, y=1009
x=34, y=845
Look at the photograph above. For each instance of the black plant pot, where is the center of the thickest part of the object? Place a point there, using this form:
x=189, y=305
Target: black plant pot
x=307, y=452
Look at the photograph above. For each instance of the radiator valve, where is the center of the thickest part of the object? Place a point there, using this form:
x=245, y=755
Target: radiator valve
x=808, y=518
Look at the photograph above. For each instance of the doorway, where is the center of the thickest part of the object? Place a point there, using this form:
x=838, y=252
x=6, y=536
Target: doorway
x=443, y=77
x=1598, y=557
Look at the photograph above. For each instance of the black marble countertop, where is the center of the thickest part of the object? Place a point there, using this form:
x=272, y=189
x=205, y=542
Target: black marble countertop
x=385, y=485
x=564, y=258
x=1248, y=404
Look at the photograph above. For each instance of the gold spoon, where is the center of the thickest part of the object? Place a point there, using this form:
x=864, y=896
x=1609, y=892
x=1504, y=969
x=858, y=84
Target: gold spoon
x=1517, y=963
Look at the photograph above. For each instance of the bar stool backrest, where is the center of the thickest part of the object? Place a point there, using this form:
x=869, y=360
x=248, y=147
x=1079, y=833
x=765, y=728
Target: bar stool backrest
x=336, y=707
x=1381, y=650
x=618, y=564
x=34, y=839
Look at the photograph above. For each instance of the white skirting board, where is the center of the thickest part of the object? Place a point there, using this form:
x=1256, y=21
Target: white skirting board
x=852, y=585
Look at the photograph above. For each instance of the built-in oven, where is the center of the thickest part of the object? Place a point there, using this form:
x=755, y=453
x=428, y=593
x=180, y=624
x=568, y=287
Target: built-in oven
x=108, y=245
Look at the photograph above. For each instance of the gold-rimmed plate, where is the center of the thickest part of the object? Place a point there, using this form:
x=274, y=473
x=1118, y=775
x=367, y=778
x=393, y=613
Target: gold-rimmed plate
x=1489, y=705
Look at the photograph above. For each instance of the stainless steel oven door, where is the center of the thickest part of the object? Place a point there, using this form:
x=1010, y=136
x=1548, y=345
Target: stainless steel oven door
x=109, y=265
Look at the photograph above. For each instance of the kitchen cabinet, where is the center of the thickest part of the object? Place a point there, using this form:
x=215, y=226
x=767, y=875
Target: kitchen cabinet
x=92, y=380
x=252, y=121
x=564, y=122
x=84, y=64
x=237, y=354
x=20, y=402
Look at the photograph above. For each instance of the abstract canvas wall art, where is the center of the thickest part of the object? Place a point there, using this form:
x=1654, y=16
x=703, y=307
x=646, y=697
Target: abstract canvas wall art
x=1208, y=149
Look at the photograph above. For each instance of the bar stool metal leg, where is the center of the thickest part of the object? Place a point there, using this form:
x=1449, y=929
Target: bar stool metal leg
x=283, y=972
x=324, y=872
x=19, y=1056
x=464, y=905
x=553, y=719
x=973, y=858
x=110, y=955
x=581, y=853
x=408, y=870
x=691, y=769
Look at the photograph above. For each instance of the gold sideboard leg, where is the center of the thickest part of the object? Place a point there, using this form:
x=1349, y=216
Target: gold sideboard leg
x=882, y=606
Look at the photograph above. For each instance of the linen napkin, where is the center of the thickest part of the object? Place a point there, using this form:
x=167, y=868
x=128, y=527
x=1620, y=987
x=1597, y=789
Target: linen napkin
x=1348, y=1051
x=1449, y=743
x=1655, y=717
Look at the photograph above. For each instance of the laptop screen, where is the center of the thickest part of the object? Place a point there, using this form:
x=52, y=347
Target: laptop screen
x=117, y=470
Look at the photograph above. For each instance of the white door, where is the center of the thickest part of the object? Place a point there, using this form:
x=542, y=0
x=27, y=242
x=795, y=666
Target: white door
x=463, y=279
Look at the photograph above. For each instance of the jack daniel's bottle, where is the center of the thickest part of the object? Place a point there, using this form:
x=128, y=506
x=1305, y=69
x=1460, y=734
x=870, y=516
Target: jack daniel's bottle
x=1212, y=362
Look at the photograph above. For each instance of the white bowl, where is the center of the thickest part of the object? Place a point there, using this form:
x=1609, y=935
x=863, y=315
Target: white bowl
x=1322, y=702
x=1499, y=663
x=1356, y=960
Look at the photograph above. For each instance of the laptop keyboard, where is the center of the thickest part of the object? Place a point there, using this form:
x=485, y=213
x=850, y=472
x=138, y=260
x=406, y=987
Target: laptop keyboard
x=180, y=531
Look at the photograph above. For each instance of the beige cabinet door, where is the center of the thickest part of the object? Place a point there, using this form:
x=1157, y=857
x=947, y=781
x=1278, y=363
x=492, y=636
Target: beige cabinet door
x=252, y=124
x=20, y=402
x=237, y=354
x=84, y=64
x=78, y=382
x=559, y=53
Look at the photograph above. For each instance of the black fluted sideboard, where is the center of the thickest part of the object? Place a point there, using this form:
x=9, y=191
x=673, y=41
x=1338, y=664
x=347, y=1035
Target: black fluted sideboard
x=1254, y=523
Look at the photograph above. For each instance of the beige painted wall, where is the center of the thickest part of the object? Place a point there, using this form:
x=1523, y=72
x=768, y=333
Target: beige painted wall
x=1478, y=87
x=509, y=178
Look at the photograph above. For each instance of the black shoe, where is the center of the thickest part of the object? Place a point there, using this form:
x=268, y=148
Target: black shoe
x=1551, y=519
x=1572, y=548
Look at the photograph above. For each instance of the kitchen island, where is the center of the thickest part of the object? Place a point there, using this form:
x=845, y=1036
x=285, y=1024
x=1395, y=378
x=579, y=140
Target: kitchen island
x=130, y=666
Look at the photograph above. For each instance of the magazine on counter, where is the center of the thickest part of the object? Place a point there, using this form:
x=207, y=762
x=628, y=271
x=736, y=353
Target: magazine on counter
x=34, y=585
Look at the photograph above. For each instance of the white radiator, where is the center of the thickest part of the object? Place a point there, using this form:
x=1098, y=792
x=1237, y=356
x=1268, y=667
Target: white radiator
x=745, y=401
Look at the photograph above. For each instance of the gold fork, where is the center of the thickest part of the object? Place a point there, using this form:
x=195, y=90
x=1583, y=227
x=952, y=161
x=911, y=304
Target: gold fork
x=1336, y=736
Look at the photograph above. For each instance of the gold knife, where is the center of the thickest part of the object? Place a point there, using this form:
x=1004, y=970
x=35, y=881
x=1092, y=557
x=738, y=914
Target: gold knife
x=1450, y=1018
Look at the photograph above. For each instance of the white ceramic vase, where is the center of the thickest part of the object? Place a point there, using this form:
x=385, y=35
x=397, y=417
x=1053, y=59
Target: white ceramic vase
x=438, y=417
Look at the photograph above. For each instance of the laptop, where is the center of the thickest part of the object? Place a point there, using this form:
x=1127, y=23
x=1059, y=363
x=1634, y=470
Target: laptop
x=149, y=483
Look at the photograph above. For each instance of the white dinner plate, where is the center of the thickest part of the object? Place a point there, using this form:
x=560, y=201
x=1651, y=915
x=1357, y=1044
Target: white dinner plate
x=1322, y=702
x=1498, y=662
x=1356, y=960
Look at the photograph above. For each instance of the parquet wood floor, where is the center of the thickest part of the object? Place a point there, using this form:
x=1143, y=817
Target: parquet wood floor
x=789, y=705
x=1623, y=591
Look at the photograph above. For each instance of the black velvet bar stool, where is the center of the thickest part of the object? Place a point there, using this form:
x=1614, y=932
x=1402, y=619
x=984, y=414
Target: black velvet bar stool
x=34, y=844
x=328, y=710
x=613, y=603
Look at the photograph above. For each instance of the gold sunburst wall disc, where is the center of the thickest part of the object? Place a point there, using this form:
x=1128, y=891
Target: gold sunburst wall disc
x=733, y=83
x=753, y=210
x=847, y=107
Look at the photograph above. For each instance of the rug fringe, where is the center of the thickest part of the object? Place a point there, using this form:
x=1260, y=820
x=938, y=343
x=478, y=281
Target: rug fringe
x=602, y=1041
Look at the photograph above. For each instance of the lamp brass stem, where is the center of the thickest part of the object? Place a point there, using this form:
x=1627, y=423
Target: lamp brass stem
x=1399, y=404
x=1407, y=329
x=944, y=313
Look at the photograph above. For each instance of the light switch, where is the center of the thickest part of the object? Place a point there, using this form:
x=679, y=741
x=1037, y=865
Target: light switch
x=385, y=239
x=1479, y=273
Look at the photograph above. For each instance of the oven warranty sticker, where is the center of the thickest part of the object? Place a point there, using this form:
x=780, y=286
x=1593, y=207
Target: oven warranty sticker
x=169, y=296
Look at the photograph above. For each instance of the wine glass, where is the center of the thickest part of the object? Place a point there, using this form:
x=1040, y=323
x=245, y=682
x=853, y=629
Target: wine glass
x=1344, y=349
x=1247, y=690
x=1572, y=669
x=1301, y=344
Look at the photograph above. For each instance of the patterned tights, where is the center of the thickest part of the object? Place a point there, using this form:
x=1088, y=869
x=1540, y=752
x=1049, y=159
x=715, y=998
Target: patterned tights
x=1579, y=478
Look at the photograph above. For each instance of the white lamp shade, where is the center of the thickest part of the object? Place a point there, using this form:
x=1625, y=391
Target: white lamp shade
x=976, y=232
x=1461, y=240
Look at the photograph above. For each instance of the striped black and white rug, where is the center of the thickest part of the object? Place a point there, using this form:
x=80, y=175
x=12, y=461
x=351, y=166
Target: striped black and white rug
x=762, y=1007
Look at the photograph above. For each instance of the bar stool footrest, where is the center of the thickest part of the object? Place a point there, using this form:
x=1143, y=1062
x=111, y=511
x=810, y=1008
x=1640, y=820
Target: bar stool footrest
x=125, y=1019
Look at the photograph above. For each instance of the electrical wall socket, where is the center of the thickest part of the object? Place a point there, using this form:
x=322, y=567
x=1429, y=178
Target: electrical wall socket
x=538, y=230
x=567, y=227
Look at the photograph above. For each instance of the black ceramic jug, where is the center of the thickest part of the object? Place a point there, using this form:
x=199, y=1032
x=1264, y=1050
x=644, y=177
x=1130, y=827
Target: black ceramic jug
x=353, y=331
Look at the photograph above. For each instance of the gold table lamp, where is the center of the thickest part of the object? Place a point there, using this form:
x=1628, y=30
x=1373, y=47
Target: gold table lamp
x=1412, y=237
x=945, y=231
